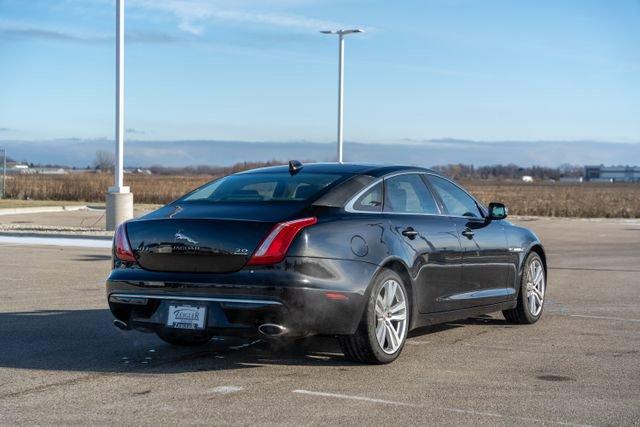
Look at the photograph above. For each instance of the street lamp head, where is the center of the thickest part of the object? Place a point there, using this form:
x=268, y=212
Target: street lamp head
x=343, y=32
x=352, y=31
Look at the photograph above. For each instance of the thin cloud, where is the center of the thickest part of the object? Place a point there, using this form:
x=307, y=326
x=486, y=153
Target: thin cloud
x=6, y=130
x=192, y=16
x=143, y=37
x=26, y=32
x=135, y=131
x=44, y=34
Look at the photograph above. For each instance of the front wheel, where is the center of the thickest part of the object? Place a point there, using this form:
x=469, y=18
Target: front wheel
x=383, y=329
x=531, y=297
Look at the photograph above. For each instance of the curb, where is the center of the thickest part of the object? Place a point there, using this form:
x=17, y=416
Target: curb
x=56, y=235
x=41, y=209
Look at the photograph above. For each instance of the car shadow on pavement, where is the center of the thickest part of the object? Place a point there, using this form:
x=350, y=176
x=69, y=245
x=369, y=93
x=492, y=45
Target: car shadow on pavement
x=478, y=320
x=86, y=341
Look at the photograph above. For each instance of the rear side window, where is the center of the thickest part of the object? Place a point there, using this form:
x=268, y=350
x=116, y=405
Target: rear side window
x=263, y=187
x=457, y=202
x=408, y=194
x=371, y=201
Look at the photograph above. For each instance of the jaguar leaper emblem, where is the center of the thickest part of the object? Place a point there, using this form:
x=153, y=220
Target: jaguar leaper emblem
x=180, y=236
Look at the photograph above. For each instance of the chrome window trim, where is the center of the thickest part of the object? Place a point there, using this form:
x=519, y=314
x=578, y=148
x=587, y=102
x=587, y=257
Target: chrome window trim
x=193, y=298
x=349, y=207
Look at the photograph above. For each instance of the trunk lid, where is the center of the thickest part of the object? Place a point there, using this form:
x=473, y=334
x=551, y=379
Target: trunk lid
x=203, y=238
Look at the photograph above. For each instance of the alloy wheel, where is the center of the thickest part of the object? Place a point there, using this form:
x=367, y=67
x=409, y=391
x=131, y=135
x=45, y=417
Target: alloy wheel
x=535, y=287
x=391, y=316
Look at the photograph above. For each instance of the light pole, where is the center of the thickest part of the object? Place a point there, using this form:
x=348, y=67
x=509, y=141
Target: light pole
x=341, y=34
x=4, y=172
x=119, y=199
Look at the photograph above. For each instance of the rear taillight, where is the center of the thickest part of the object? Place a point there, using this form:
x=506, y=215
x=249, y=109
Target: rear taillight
x=122, y=249
x=275, y=246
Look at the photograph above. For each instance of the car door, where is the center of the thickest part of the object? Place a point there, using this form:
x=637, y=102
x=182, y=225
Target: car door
x=429, y=240
x=486, y=262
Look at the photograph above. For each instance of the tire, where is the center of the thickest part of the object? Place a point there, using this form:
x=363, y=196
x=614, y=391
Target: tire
x=524, y=313
x=183, y=338
x=364, y=346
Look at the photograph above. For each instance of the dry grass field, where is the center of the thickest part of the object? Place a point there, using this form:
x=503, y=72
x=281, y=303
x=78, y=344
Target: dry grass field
x=89, y=187
x=584, y=200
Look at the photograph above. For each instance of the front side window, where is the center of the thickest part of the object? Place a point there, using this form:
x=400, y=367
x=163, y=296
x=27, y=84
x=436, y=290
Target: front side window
x=457, y=202
x=408, y=194
x=263, y=187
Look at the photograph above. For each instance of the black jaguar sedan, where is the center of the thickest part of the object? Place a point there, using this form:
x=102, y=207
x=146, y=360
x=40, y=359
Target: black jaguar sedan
x=361, y=252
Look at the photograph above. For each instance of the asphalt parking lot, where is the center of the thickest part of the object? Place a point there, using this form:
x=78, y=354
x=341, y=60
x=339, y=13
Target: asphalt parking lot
x=62, y=361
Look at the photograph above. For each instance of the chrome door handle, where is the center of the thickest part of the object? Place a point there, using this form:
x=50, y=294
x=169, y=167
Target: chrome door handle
x=468, y=233
x=410, y=232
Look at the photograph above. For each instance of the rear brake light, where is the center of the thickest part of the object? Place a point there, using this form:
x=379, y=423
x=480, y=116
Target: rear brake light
x=122, y=249
x=275, y=246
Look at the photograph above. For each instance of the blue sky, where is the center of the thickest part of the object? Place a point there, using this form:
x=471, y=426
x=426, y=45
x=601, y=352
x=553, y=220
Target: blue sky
x=259, y=69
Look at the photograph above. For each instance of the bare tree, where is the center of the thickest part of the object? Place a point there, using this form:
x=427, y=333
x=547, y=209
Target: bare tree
x=105, y=161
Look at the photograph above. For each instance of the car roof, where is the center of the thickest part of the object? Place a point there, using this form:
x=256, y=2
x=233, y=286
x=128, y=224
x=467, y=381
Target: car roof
x=374, y=170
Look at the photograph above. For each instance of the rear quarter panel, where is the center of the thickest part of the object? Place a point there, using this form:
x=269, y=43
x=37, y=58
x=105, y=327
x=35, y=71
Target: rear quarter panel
x=363, y=238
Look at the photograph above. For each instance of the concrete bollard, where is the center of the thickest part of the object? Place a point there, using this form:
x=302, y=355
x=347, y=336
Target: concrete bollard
x=119, y=209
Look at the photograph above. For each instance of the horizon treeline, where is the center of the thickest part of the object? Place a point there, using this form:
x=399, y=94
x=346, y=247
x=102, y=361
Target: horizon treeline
x=455, y=171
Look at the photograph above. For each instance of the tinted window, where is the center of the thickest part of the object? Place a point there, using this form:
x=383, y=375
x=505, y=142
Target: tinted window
x=263, y=187
x=408, y=194
x=371, y=201
x=456, y=201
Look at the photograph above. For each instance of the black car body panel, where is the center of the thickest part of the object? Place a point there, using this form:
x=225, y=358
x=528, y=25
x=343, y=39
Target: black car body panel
x=294, y=289
x=453, y=266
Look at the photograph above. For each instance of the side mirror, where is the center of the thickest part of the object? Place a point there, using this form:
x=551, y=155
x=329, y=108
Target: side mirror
x=497, y=211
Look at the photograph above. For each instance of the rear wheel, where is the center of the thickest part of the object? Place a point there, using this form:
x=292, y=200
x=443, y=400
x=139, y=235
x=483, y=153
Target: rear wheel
x=383, y=329
x=532, y=289
x=183, y=338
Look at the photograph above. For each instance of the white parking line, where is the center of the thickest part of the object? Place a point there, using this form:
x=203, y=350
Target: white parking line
x=226, y=389
x=456, y=410
x=345, y=396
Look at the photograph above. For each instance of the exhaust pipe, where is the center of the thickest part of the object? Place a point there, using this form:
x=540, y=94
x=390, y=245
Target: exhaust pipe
x=272, y=330
x=121, y=325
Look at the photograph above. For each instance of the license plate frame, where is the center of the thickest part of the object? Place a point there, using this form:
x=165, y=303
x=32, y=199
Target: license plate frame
x=187, y=316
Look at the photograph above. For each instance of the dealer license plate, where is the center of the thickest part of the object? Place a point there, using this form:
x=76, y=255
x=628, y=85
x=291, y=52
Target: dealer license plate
x=186, y=317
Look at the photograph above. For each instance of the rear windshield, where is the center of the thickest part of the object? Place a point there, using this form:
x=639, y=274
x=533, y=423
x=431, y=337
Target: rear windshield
x=263, y=187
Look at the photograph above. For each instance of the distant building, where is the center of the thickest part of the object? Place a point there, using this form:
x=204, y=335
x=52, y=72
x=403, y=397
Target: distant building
x=50, y=171
x=18, y=169
x=138, y=171
x=26, y=170
x=571, y=179
x=612, y=173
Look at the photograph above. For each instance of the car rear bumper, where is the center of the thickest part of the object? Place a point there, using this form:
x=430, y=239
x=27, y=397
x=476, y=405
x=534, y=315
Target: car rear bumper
x=304, y=295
